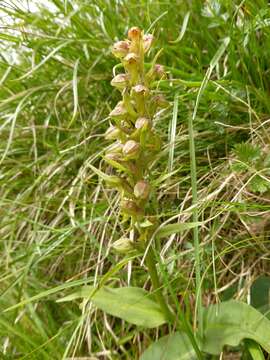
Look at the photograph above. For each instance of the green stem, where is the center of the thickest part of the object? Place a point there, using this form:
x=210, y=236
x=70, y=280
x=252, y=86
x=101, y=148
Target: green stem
x=150, y=262
x=182, y=324
x=198, y=313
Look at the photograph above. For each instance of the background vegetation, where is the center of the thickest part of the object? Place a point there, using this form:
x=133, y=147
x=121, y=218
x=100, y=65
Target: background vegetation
x=58, y=219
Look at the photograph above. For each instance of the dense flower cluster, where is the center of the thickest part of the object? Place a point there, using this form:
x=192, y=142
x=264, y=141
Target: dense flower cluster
x=135, y=141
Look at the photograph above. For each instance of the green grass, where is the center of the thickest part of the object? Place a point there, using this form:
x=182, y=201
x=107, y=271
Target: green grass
x=58, y=219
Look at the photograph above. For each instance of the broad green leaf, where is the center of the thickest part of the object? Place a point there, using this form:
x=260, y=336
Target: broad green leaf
x=260, y=295
x=260, y=292
x=231, y=322
x=131, y=304
x=171, y=347
x=254, y=349
x=167, y=230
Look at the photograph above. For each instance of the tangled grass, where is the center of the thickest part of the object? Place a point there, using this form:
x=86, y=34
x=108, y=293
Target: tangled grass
x=57, y=218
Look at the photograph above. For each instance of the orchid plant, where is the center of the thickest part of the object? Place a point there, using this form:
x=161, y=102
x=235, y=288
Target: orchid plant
x=135, y=145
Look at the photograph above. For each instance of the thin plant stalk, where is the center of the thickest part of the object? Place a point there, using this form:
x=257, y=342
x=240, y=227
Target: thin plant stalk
x=213, y=63
x=199, y=311
x=180, y=319
x=150, y=262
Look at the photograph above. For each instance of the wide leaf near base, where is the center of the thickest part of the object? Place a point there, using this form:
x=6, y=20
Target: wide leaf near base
x=230, y=322
x=225, y=324
x=131, y=304
x=171, y=347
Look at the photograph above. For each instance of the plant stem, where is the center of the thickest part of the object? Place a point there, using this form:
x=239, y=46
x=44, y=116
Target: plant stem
x=150, y=262
x=198, y=312
x=182, y=324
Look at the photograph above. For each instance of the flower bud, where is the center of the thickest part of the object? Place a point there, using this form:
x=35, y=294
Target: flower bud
x=119, y=111
x=127, y=189
x=160, y=101
x=129, y=207
x=134, y=33
x=142, y=126
x=134, y=170
x=120, y=49
x=123, y=245
x=112, y=133
x=148, y=40
x=132, y=64
x=142, y=189
x=125, y=127
x=114, y=181
x=131, y=149
x=120, y=81
x=140, y=90
x=116, y=161
x=143, y=123
x=153, y=142
x=159, y=71
x=131, y=60
x=116, y=147
x=109, y=157
x=129, y=103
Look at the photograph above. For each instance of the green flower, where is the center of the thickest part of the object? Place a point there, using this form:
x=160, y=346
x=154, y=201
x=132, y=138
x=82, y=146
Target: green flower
x=119, y=112
x=113, y=133
x=120, y=81
x=120, y=49
x=148, y=40
x=123, y=246
x=129, y=207
x=142, y=189
x=131, y=149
